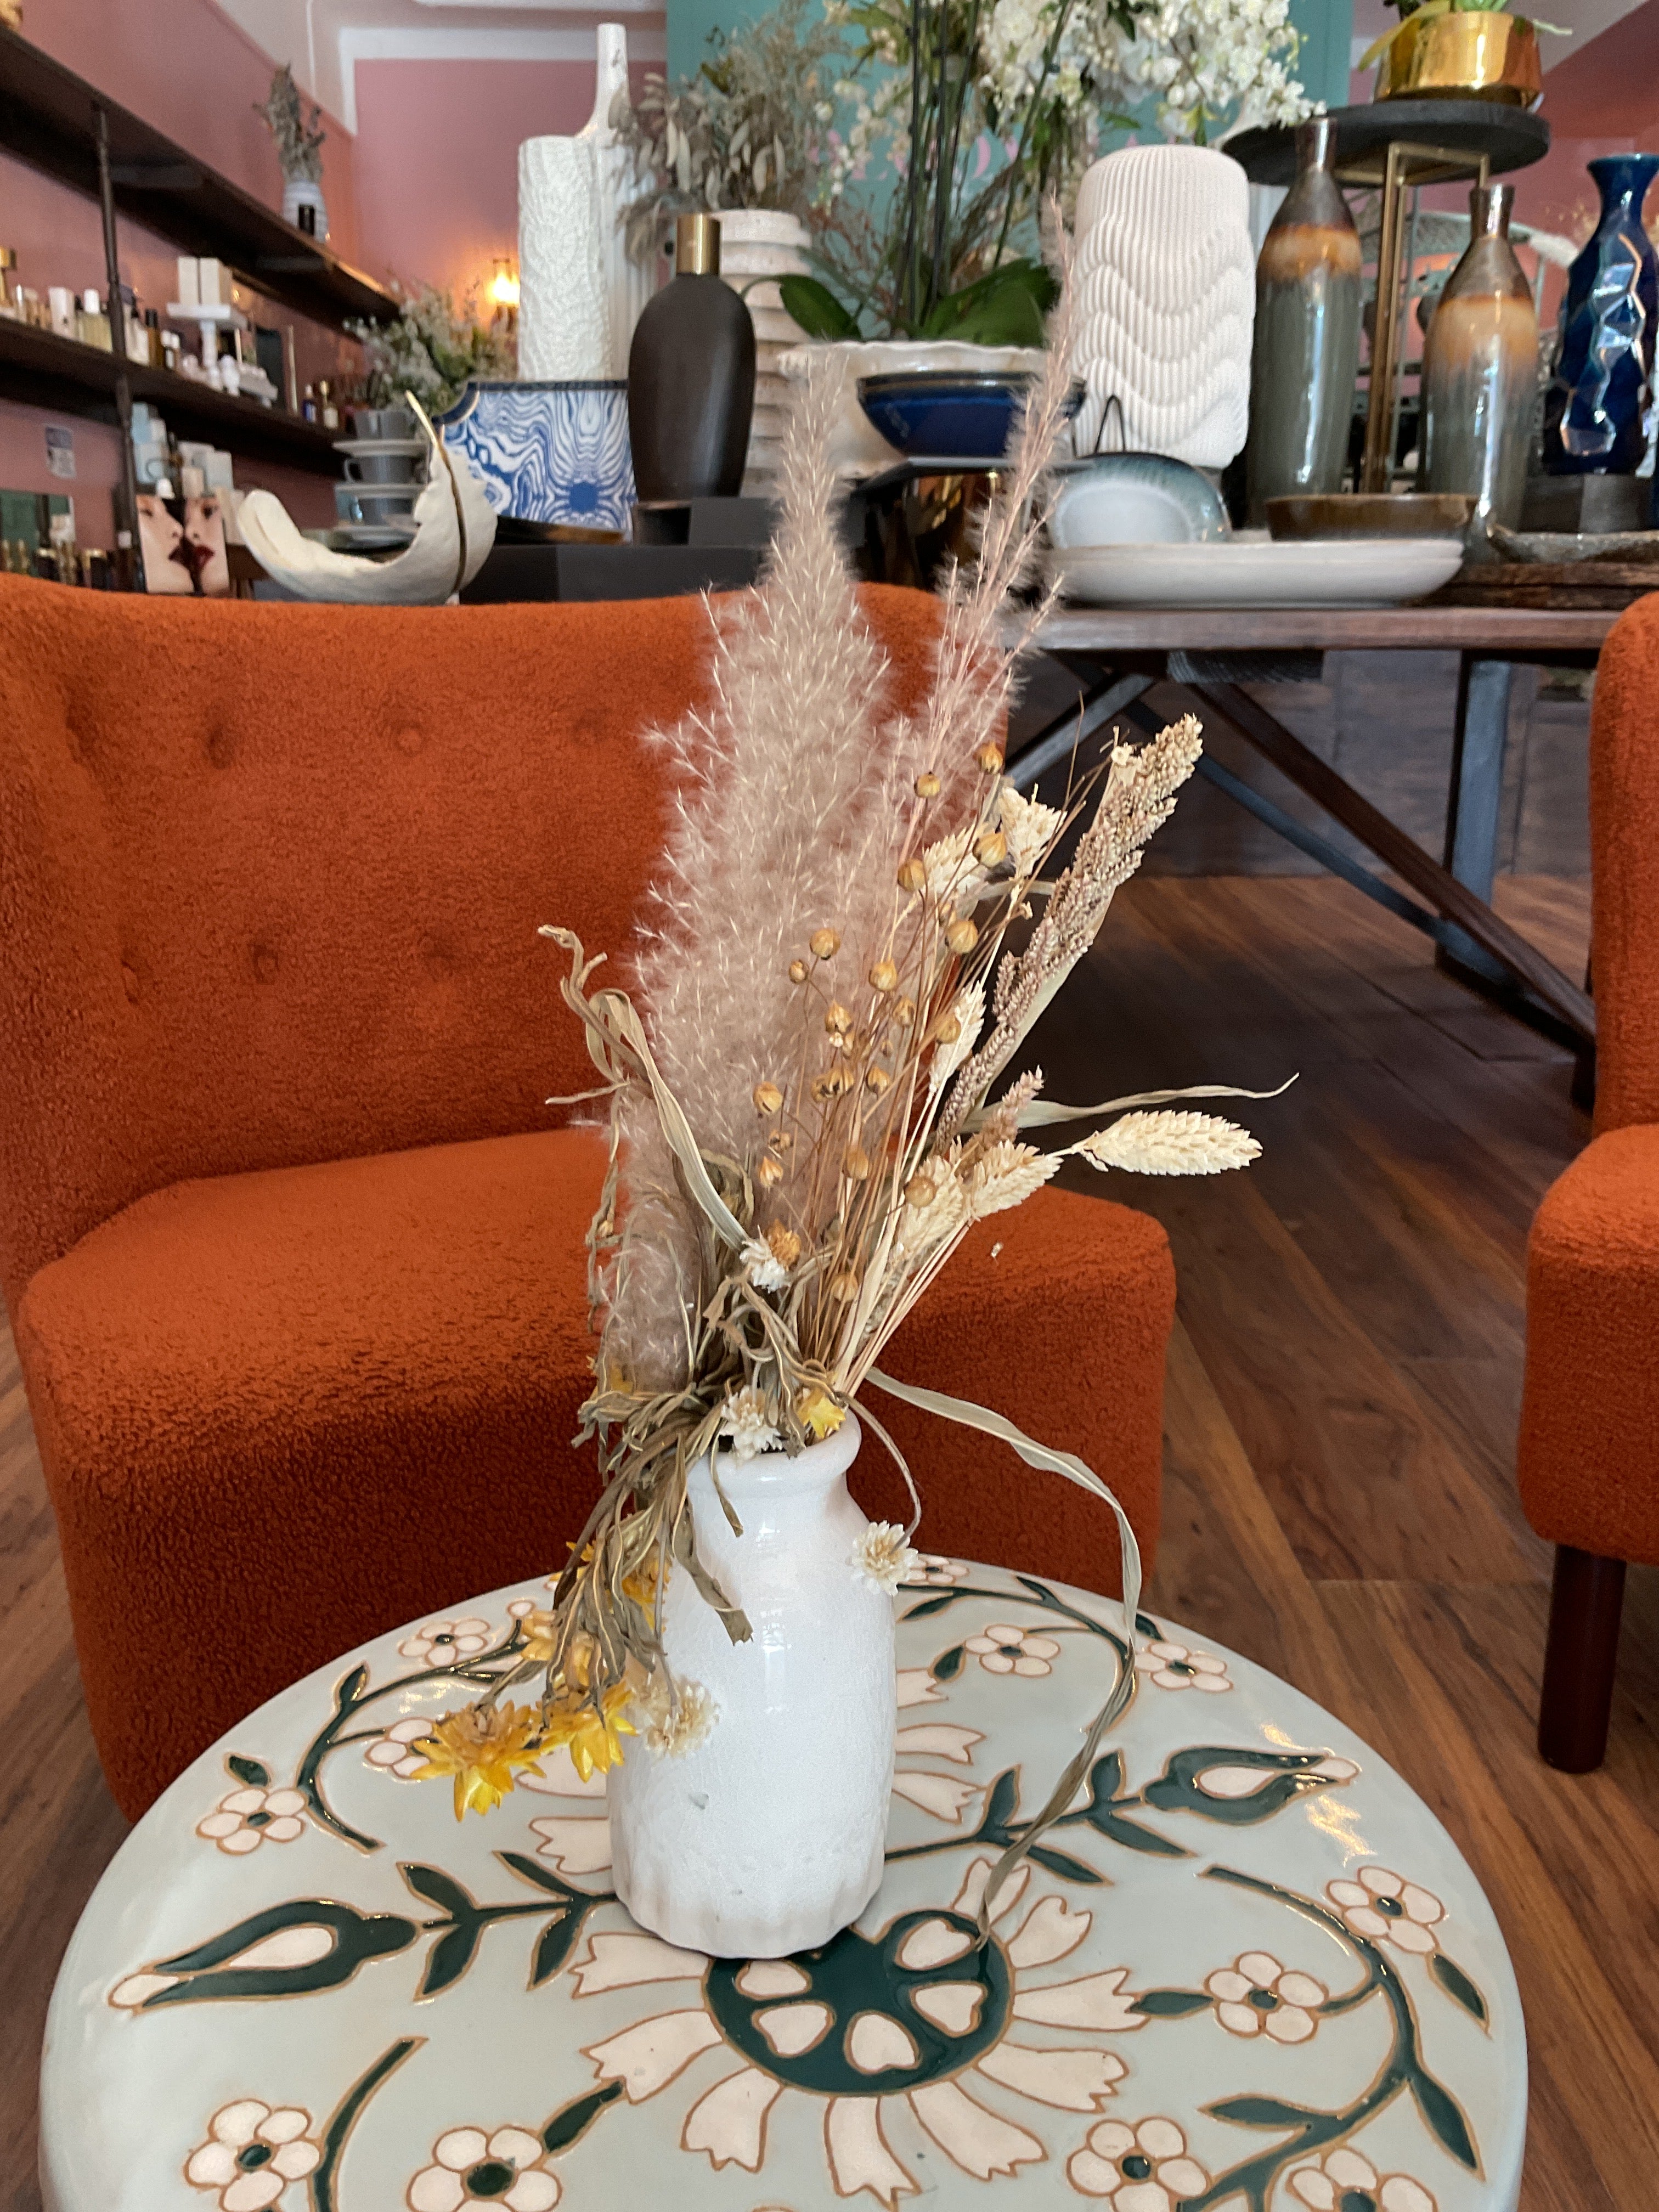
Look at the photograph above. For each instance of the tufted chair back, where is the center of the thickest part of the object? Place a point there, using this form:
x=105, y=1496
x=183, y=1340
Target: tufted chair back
x=270, y=876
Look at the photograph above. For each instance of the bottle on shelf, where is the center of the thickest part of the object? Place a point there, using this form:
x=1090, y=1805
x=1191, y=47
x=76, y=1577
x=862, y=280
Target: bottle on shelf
x=329, y=414
x=1480, y=374
x=1305, y=355
x=92, y=323
x=154, y=346
x=8, y=279
x=308, y=406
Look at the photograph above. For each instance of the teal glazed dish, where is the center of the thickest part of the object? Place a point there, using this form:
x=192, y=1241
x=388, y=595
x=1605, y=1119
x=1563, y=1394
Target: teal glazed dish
x=1135, y=499
x=944, y=415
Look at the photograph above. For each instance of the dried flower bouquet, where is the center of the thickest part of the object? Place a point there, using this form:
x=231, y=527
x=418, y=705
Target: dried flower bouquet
x=803, y=1123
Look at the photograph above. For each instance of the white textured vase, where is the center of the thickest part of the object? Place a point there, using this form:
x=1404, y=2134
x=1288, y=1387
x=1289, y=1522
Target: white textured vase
x=579, y=295
x=302, y=192
x=1165, y=288
x=768, y=1836
x=758, y=248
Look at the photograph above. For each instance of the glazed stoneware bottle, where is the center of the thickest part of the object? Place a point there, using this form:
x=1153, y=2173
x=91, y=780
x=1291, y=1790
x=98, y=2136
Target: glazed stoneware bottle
x=1305, y=350
x=768, y=1836
x=1480, y=374
x=1594, y=408
x=691, y=377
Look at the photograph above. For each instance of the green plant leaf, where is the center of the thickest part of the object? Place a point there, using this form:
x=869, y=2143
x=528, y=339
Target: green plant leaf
x=1458, y=1986
x=1445, y=2115
x=816, y=308
x=1171, y=2004
x=577, y=2117
x=1006, y=307
x=948, y=1665
x=1262, y=2112
x=249, y=1771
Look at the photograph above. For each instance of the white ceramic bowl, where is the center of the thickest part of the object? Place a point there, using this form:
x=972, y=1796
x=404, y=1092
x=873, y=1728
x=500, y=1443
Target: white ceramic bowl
x=1379, y=572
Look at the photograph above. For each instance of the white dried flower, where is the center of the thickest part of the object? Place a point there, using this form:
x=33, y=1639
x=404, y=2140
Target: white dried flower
x=955, y=879
x=883, y=1554
x=969, y=1011
x=922, y=1229
x=1004, y=1175
x=743, y=1421
x=678, y=1716
x=763, y=1268
x=1029, y=826
x=1170, y=1142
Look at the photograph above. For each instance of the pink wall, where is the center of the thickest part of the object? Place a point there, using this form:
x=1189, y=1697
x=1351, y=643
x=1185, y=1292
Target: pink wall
x=437, y=158
x=1602, y=99
x=186, y=67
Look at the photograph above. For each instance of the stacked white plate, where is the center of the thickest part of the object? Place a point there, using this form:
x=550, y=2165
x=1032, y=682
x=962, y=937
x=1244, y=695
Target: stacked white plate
x=1252, y=572
x=759, y=246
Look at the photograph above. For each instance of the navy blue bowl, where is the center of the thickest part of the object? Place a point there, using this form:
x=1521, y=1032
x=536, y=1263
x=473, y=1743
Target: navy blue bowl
x=946, y=414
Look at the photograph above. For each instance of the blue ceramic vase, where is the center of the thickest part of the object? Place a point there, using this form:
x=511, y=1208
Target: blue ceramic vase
x=1593, y=410
x=547, y=452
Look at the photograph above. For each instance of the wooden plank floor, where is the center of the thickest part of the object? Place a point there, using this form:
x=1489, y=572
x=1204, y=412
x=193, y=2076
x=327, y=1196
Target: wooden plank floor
x=1343, y=1388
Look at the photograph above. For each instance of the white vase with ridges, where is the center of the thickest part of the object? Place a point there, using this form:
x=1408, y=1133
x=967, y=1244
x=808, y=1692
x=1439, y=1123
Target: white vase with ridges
x=767, y=1837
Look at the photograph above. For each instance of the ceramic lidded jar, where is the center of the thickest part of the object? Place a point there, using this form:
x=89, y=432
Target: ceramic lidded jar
x=768, y=1836
x=1306, y=348
x=1480, y=373
x=691, y=377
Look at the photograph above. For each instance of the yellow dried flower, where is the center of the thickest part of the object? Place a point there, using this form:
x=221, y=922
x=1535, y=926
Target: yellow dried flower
x=824, y=944
x=904, y=1012
x=830, y=1084
x=920, y=1191
x=818, y=1413
x=990, y=759
x=837, y=1019
x=540, y=1635
x=592, y=1738
x=884, y=977
x=768, y=1097
x=798, y=971
x=768, y=1171
x=990, y=848
x=482, y=1750
x=784, y=1243
x=876, y=1079
x=844, y=1286
x=963, y=935
x=781, y=1140
x=912, y=876
x=927, y=785
x=947, y=1030
x=856, y=1163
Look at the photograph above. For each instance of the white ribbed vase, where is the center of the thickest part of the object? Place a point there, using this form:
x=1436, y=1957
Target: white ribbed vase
x=768, y=1836
x=1164, y=284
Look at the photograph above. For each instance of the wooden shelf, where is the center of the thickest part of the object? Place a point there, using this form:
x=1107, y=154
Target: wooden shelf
x=41, y=369
x=46, y=120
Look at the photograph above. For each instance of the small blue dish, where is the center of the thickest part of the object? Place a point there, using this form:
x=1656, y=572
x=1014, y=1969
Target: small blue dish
x=946, y=415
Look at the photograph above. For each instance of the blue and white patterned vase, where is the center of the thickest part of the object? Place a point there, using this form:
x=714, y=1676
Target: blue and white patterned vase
x=547, y=452
x=1592, y=412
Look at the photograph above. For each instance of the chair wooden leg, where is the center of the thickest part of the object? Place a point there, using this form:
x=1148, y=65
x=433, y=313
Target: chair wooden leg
x=1579, y=1659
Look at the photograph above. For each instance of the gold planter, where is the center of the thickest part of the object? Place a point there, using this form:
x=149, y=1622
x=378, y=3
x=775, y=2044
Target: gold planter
x=1470, y=55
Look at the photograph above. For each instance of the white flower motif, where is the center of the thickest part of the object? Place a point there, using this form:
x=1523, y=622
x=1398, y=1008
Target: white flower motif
x=1385, y=1907
x=883, y=1554
x=471, y=2167
x=252, y=2151
x=1175, y=1666
x=1224, y=1781
x=1256, y=1995
x=743, y=1419
x=1343, y=2181
x=763, y=1267
x=1139, y=2169
x=393, y=1752
x=935, y=1569
x=447, y=1642
x=1002, y=1649
x=248, y=1817
x=728, y=2122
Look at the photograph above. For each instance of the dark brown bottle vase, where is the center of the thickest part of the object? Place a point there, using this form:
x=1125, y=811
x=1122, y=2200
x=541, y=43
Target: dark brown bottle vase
x=691, y=377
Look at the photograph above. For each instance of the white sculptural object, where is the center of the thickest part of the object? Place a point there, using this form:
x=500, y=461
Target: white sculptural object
x=1165, y=279
x=579, y=295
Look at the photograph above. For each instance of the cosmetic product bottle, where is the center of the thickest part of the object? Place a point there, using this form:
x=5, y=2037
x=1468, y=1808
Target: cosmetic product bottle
x=308, y=407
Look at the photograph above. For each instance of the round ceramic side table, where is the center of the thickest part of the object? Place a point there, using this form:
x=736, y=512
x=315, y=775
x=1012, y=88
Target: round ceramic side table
x=1249, y=1969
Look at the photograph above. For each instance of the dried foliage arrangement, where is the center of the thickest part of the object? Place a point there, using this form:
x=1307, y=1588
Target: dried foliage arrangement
x=299, y=137
x=803, y=1086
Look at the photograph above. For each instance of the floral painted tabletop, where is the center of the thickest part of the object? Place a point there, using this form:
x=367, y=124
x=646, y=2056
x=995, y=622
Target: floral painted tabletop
x=1249, y=1969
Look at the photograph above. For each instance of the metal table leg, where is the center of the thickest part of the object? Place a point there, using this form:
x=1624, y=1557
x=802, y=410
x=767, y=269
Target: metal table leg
x=1474, y=799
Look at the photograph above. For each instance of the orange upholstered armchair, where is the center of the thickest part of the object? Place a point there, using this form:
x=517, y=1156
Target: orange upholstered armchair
x=1589, y=1424
x=292, y=1245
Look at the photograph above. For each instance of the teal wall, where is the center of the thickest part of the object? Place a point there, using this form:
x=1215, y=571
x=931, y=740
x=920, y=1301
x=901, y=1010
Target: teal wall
x=1327, y=28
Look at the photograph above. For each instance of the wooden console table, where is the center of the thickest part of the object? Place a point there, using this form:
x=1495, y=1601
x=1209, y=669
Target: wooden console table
x=1201, y=658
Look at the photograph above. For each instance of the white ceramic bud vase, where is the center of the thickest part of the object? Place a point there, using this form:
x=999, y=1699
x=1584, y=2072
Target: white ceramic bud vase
x=768, y=1836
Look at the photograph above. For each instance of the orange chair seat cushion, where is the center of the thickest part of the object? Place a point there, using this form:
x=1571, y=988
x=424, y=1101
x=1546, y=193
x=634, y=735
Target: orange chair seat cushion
x=283, y=1411
x=1589, y=1459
